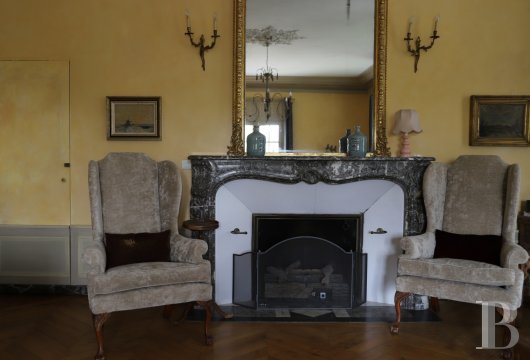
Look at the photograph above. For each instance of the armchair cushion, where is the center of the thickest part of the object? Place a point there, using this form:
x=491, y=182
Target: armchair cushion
x=149, y=275
x=482, y=248
x=459, y=270
x=123, y=249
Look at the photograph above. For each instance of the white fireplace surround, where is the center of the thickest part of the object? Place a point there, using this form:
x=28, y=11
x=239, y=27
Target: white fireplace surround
x=381, y=202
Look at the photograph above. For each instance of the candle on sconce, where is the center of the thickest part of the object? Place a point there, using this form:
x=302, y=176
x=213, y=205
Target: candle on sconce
x=411, y=21
x=187, y=19
x=436, y=19
x=201, y=43
x=416, y=47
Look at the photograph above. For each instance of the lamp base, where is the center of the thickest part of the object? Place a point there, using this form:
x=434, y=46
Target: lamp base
x=405, y=145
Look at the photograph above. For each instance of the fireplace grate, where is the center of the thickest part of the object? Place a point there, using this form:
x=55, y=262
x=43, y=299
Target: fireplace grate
x=301, y=272
x=302, y=261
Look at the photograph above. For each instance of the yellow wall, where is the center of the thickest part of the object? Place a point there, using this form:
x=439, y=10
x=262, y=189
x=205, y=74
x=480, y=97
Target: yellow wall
x=483, y=50
x=130, y=47
x=137, y=47
x=322, y=118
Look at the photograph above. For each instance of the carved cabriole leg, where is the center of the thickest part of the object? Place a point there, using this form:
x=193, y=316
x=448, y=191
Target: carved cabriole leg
x=207, y=305
x=99, y=321
x=394, y=329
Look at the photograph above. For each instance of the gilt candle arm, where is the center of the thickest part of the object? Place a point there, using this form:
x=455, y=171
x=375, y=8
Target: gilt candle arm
x=408, y=39
x=201, y=43
x=418, y=47
x=433, y=39
x=190, y=35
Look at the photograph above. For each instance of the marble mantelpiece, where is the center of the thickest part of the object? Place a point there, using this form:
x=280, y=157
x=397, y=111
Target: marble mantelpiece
x=209, y=173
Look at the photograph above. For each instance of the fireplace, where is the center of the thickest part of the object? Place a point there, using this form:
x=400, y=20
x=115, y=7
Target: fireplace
x=387, y=191
x=302, y=261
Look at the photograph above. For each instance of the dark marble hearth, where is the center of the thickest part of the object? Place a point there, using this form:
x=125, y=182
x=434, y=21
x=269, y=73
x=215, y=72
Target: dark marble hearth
x=369, y=313
x=209, y=173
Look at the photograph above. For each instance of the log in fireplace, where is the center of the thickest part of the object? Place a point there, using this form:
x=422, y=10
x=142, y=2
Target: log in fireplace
x=302, y=261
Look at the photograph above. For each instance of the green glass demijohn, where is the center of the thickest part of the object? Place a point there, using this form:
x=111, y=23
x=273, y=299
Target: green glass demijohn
x=256, y=143
x=357, y=143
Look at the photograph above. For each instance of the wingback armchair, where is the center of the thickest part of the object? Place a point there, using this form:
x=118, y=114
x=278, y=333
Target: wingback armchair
x=469, y=251
x=138, y=259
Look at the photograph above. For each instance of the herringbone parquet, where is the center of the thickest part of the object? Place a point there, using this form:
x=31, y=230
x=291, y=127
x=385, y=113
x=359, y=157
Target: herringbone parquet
x=60, y=327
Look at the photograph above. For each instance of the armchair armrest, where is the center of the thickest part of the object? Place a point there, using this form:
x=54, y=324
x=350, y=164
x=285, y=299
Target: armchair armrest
x=418, y=246
x=512, y=255
x=187, y=250
x=95, y=258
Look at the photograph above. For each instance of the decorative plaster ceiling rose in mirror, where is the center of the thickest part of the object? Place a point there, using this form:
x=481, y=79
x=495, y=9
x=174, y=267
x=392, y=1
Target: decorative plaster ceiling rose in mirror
x=379, y=139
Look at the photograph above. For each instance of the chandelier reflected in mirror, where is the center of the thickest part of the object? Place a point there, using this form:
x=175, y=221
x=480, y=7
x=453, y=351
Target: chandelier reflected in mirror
x=268, y=36
x=267, y=74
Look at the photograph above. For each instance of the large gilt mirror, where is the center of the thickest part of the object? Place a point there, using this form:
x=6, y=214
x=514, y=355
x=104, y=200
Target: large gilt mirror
x=360, y=78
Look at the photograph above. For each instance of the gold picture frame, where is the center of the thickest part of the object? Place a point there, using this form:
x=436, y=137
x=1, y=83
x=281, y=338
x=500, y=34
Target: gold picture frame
x=378, y=132
x=499, y=120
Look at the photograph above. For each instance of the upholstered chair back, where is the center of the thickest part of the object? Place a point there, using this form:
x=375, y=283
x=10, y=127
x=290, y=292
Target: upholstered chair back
x=476, y=194
x=131, y=193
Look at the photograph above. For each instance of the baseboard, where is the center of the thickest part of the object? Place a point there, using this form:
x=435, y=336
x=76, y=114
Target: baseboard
x=34, y=254
x=43, y=255
x=24, y=289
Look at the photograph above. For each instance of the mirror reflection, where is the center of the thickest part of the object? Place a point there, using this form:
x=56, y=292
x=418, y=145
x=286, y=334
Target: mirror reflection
x=309, y=71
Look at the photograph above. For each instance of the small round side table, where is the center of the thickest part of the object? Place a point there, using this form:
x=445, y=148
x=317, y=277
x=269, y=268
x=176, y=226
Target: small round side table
x=200, y=227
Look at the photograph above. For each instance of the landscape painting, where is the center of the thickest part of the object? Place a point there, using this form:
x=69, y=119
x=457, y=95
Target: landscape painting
x=499, y=121
x=133, y=118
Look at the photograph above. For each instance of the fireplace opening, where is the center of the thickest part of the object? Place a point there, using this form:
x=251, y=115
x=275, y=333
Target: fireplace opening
x=302, y=261
x=342, y=230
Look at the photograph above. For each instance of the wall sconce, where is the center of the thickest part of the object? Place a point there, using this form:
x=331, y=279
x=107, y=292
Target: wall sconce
x=201, y=43
x=418, y=47
x=406, y=121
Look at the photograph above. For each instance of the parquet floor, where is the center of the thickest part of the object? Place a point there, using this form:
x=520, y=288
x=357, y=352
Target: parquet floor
x=60, y=327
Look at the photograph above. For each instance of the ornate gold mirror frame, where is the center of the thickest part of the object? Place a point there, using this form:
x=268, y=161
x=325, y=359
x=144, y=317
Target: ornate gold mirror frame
x=379, y=139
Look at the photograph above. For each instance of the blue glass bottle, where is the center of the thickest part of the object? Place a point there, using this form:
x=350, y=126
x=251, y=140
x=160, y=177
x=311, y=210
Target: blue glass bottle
x=357, y=143
x=256, y=143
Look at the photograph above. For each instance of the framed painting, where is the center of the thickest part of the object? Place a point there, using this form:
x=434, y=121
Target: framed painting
x=499, y=121
x=133, y=118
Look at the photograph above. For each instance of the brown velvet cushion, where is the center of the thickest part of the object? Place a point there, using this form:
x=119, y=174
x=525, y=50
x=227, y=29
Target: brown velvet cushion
x=123, y=249
x=483, y=248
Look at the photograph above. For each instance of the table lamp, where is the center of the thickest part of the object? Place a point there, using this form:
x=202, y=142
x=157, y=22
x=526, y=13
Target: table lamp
x=406, y=121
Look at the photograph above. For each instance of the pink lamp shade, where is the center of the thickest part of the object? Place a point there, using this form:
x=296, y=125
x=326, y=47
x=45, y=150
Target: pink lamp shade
x=406, y=121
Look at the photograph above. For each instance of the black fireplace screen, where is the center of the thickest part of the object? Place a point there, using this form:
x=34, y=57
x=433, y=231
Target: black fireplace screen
x=301, y=272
